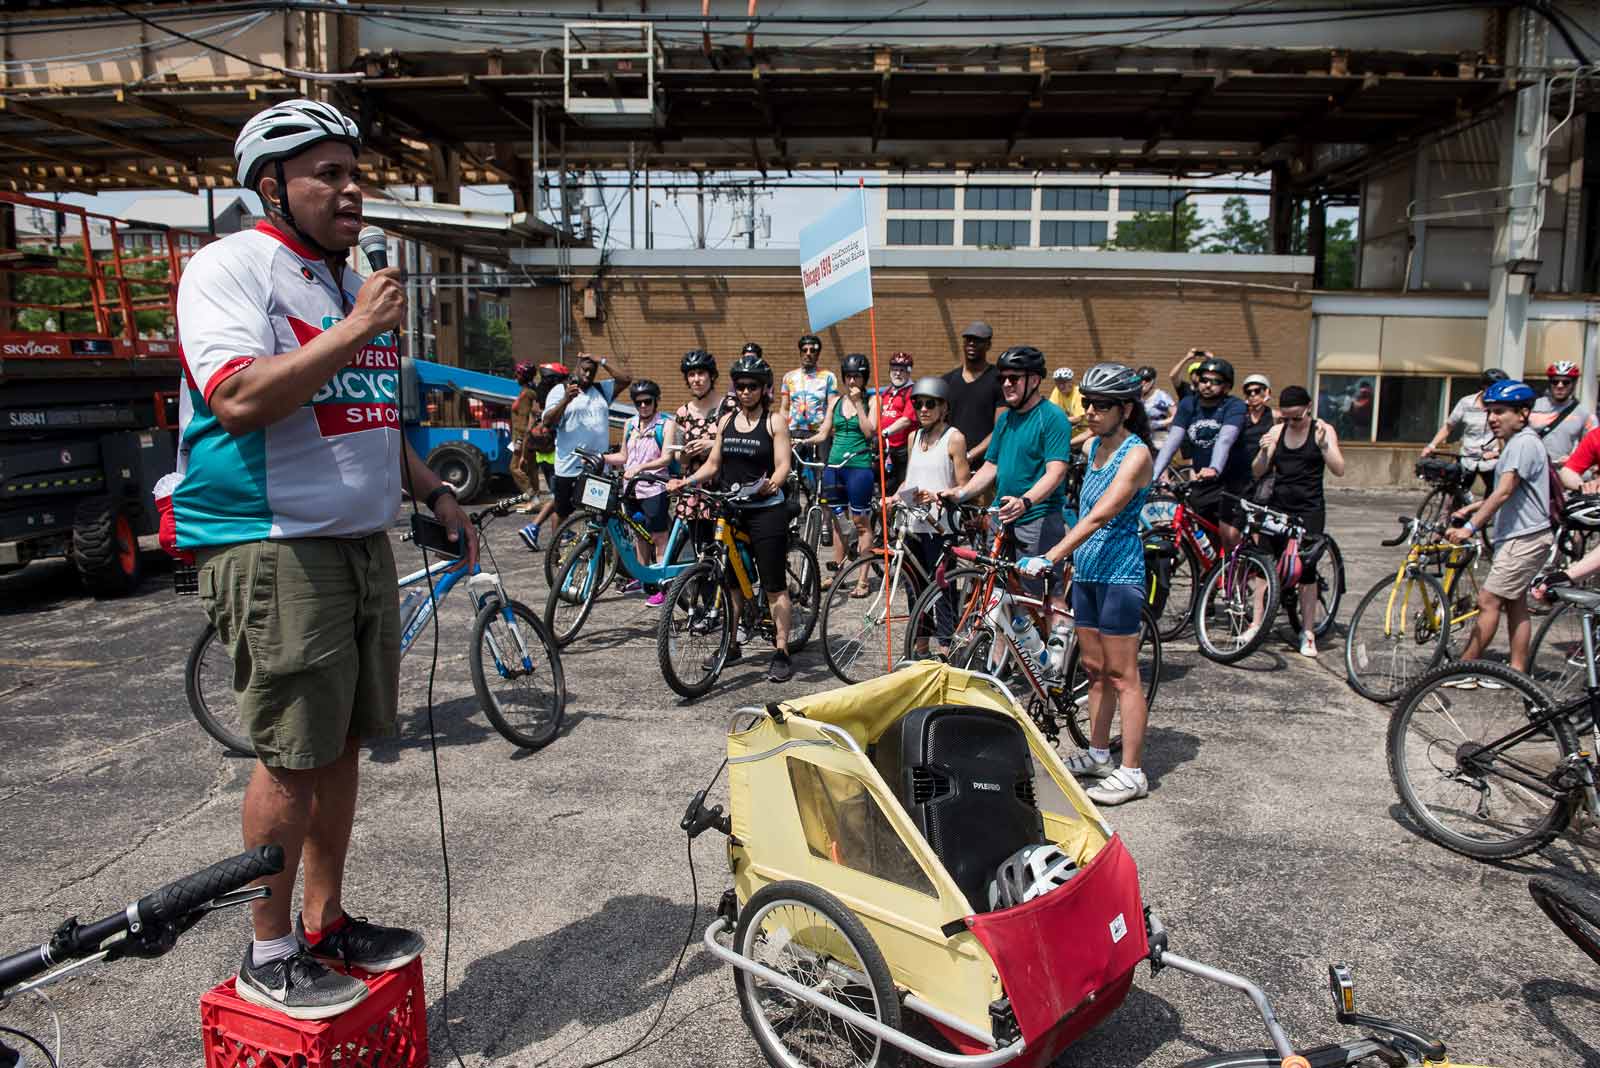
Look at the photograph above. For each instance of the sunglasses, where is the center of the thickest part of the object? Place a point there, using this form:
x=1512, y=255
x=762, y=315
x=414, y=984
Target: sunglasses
x=810, y=348
x=1251, y=391
x=1011, y=380
x=1102, y=404
x=746, y=387
x=1211, y=380
x=925, y=405
x=638, y=401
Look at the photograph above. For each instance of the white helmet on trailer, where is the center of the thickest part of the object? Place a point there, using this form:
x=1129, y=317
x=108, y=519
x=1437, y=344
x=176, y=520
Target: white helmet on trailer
x=1027, y=873
x=285, y=130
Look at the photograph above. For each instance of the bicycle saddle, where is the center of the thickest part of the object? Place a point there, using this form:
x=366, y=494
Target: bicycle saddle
x=1583, y=598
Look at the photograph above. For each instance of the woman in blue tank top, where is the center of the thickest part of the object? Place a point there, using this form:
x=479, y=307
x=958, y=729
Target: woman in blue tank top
x=1108, y=577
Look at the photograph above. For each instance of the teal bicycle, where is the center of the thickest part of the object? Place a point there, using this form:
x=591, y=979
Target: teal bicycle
x=608, y=543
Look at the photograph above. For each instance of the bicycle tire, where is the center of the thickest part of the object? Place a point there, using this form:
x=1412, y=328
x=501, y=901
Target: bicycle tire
x=197, y=685
x=1183, y=586
x=1078, y=719
x=1556, y=659
x=805, y=593
x=834, y=948
x=850, y=645
x=1574, y=910
x=563, y=627
x=923, y=625
x=1386, y=647
x=1211, y=590
x=678, y=623
x=547, y=708
x=1448, y=754
x=1435, y=506
x=562, y=540
x=1330, y=592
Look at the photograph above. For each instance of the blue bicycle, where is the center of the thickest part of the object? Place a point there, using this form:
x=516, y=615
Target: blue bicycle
x=611, y=535
x=516, y=668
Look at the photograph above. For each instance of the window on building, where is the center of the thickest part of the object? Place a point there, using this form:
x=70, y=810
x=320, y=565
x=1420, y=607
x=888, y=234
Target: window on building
x=1408, y=407
x=1075, y=233
x=1347, y=402
x=1009, y=233
x=922, y=232
x=1071, y=199
x=922, y=198
x=1136, y=198
x=999, y=198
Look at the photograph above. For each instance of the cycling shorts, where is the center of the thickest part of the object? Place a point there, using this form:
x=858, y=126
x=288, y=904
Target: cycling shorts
x=1112, y=608
x=848, y=485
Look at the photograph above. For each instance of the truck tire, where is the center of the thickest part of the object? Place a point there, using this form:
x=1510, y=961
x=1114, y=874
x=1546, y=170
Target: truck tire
x=463, y=465
x=105, y=549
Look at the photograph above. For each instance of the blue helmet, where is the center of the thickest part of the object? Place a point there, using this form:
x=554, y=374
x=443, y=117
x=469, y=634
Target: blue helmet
x=1510, y=391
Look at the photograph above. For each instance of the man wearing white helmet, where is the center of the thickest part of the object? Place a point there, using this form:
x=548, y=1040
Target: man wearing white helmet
x=292, y=462
x=1065, y=396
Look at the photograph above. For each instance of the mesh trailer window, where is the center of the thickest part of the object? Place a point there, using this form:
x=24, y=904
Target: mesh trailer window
x=843, y=824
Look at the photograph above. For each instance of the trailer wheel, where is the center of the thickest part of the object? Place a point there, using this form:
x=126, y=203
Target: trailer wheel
x=105, y=549
x=463, y=466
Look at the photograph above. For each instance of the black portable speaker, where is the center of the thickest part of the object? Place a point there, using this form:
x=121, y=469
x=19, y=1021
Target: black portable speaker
x=964, y=775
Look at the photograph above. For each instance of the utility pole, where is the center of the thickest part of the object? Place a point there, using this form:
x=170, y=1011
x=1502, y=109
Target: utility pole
x=649, y=234
x=700, y=200
x=630, y=195
x=751, y=242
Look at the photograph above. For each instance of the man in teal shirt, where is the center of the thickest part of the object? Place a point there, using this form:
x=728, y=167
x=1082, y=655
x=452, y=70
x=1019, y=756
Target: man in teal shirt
x=1027, y=465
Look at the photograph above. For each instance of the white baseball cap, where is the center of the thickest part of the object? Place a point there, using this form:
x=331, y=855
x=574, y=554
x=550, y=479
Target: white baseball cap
x=1257, y=380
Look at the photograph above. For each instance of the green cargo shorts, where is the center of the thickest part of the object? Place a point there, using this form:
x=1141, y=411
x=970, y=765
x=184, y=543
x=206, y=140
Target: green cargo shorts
x=313, y=626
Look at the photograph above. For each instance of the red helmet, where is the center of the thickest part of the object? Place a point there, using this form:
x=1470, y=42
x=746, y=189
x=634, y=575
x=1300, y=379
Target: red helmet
x=901, y=359
x=554, y=368
x=1563, y=369
x=524, y=373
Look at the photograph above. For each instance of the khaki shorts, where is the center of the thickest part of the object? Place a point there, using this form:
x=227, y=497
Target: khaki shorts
x=1516, y=561
x=313, y=626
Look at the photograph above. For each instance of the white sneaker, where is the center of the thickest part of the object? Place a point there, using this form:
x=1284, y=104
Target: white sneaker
x=1084, y=766
x=1466, y=682
x=1490, y=684
x=1248, y=635
x=1308, y=645
x=1123, y=784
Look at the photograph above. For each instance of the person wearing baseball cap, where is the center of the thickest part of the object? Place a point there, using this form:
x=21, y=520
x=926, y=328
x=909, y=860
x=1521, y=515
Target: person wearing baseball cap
x=975, y=398
x=1258, y=417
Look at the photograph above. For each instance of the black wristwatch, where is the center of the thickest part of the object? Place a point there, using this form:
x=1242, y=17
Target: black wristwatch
x=438, y=491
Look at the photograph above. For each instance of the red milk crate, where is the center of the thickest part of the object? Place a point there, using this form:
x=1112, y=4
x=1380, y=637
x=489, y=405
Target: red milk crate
x=387, y=1030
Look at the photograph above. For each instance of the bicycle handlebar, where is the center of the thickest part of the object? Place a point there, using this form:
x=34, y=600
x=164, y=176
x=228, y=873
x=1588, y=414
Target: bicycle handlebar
x=167, y=908
x=498, y=510
x=1406, y=524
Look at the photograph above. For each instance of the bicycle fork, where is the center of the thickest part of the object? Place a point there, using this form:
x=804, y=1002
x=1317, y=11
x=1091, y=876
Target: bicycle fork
x=485, y=589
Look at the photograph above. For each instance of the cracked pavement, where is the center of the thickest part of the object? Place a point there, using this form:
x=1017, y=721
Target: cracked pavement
x=1272, y=843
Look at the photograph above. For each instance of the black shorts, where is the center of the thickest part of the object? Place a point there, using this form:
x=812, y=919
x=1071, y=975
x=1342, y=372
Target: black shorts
x=769, y=544
x=657, y=513
x=565, y=488
x=1207, y=500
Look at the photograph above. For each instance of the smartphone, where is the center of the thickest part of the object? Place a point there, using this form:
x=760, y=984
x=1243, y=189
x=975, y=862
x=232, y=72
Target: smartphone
x=435, y=536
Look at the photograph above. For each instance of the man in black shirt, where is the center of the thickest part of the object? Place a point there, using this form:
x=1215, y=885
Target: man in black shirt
x=975, y=398
x=1258, y=418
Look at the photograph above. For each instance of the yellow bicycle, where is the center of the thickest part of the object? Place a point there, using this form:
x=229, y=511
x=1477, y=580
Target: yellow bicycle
x=1407, y=625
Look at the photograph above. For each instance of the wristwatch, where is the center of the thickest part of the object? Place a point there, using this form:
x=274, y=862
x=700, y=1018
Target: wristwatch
x=440, y=490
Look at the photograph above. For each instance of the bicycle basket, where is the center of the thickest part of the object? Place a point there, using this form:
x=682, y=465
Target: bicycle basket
x=1437, y=469
x=600, y=494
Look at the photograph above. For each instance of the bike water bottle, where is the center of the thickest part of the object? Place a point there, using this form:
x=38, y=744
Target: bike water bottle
x=1055, y=651
x=1027, y=636
x=408, y=605
x=1200, y=538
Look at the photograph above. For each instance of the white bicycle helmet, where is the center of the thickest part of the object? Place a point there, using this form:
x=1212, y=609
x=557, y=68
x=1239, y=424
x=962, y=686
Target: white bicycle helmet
x=285, y=130
x=1027, y=873
x=1583, y=511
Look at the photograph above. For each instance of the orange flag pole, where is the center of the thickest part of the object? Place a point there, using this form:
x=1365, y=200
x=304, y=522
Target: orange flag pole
x=883, y=476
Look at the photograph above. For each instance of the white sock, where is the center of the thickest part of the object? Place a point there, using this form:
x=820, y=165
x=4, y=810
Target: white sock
x=1134, y=774
x=1099, y=756
x=265, y=952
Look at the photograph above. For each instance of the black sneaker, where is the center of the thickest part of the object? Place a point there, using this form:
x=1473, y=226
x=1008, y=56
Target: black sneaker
x=359, y=944
x=780, y=670
x=734, y=653
x=299, y=986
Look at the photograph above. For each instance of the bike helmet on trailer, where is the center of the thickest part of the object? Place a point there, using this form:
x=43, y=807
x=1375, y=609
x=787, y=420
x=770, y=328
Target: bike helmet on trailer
x=1027, y=873
x=932, y=386
x=1510, y=391
x=1024, y=358
x=1218, y=366
x=699, y=360
x=855, y=364
x=1562, y=369
x=751, y=366
x=1115, y=380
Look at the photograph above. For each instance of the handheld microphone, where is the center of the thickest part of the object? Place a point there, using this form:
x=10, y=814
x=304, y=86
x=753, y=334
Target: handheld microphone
x=375, y=245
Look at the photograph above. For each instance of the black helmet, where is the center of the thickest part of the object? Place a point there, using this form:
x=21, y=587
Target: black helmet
x=644, y=387
x=855, y=364
x=808, y=339
x=1147, y=373
x=751, y=366
x=750, y=349
x=1218, y=366
x=1115, y=380
x=699, y=360
x=1022, y=358
x=1491, y=375
x=932, y=386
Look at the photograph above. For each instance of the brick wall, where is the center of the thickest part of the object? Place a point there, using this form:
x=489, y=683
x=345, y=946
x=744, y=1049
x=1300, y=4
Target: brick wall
x=649, y=319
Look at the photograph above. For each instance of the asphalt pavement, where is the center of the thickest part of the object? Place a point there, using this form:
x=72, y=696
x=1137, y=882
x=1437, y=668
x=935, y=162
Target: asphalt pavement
x=1272, y=843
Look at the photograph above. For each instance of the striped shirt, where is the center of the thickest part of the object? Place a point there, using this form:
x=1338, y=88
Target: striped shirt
x=1115, y=552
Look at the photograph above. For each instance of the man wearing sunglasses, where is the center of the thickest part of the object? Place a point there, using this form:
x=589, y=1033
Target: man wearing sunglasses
x=1559, y=416
x=806, y=394
x=975, y=400
x=1212, y=422
x=1258, y=418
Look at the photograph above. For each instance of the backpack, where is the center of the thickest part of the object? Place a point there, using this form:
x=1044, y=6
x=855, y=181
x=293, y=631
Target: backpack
x=661, y=440
x=1558, y=492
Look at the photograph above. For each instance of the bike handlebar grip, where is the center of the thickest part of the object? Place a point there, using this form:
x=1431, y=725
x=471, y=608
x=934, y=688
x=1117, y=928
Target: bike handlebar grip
x=965, y=552
x=179, y=898
x=20, y=967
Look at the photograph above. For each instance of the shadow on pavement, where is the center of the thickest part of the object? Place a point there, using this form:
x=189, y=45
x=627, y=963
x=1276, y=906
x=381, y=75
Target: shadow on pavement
x=1540, y=996
x=1166, y=749
x=1143, y=1024
x=531, y=991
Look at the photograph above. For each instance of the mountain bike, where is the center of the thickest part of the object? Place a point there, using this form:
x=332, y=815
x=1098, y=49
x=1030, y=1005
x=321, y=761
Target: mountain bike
x=1487, y=763
x=516, y=668
x=1406, y=625
x=699, y=626
x=1238, y=598
x=1573, y=909
x=147, y=928
x=613, y=530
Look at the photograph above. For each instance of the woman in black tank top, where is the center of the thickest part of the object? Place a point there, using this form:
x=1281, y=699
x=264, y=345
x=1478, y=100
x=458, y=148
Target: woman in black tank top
x=752, y=446
x=1297, y=452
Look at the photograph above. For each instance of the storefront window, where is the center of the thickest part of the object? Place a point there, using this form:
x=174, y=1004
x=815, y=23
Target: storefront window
x=1409, y=408
x=1346, y=401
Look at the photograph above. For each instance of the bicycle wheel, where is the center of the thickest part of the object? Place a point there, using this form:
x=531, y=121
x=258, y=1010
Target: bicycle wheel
x=1395, y=636
x=1228, y=625
x=695, y=631
x=1077, y=681
x=1435, y=506
x=1556, y=658
x=208, y=682
x=1575, y=910
x=568, y=535
x=1330, y=591
x=1183, y=587
x=857, y=631
x=572, y=595
x=805, y=594
x=516, y=670
x=944, y=617
x=807, y=935
x=1464, y=787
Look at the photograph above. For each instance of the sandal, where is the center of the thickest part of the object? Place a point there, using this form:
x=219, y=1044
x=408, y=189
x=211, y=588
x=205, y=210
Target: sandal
x=861, y=591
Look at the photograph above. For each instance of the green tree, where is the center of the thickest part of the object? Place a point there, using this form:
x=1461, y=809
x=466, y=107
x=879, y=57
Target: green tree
x=1339, y=255
x=487, y=343
x=1239, y=231
x=70, y=307
x=1152, y=231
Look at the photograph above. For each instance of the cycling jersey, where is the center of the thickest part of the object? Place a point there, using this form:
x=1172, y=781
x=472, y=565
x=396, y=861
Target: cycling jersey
x=331, y=468
x=808, y=397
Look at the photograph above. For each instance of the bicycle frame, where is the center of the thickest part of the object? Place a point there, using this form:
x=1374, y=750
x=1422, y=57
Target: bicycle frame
x=1184, y=520
x=1457, y=559
x=483, y=585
